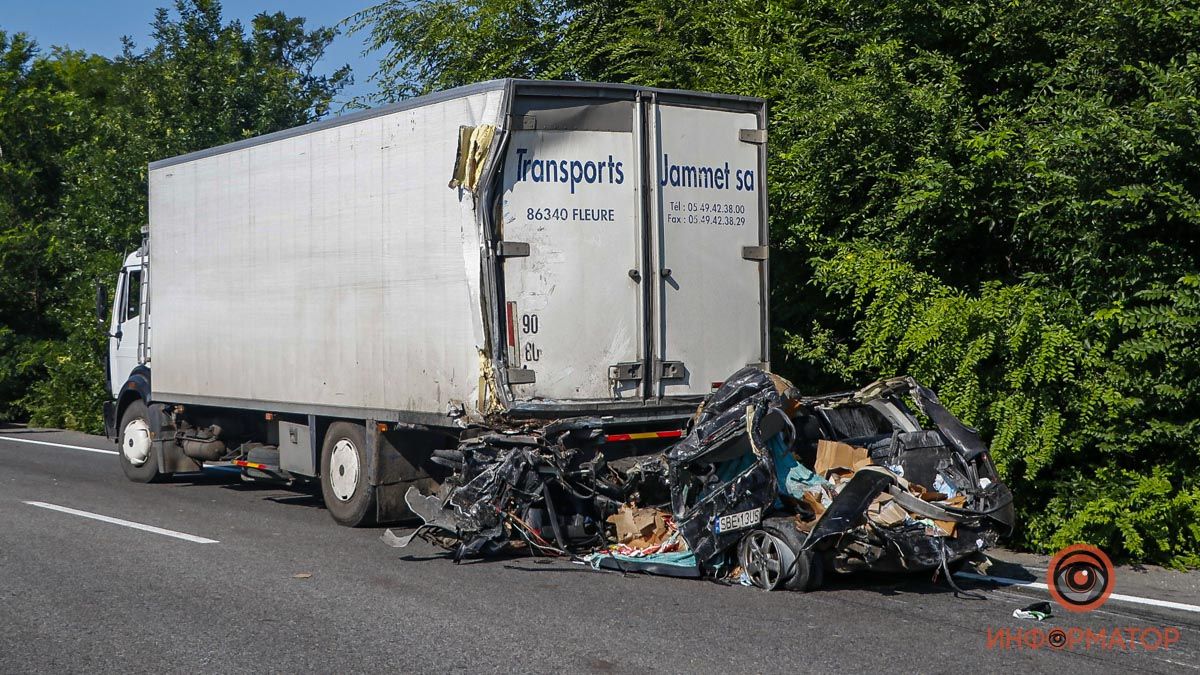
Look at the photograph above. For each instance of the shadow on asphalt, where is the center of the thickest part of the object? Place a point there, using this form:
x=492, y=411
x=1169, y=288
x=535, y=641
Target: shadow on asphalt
x=885, y=584
x=208, y=476
x=230, y=479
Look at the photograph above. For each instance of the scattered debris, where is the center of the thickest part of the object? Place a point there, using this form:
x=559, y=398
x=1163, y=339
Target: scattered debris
x=640, y=528
x=302, y=575
x=735, y=497
x=1038, y=611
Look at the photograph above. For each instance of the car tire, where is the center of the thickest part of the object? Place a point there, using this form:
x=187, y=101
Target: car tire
x=807, y=571
x=135, y=448
x=349, y=496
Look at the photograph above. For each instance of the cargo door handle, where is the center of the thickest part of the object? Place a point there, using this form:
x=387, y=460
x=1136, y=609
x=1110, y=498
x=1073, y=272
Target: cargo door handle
x=625, y=372
x=671, y=370
x=666, y=272
x=635, y=275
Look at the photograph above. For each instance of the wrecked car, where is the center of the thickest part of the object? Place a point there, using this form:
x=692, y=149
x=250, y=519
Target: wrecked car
x=765, y=487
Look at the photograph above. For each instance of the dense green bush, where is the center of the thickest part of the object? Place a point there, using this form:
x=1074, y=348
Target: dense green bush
x=1098, y=444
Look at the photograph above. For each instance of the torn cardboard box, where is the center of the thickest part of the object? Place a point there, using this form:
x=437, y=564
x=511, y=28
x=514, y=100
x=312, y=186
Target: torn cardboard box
x=639, y=528
x=832, y=455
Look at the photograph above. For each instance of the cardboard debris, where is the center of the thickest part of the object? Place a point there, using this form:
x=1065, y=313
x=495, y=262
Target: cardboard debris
x=947, y=526
x=957, y=501
x=885, y=512
x=889, y=514
x=833, y=455
x=925, y=493
x=639, y=528
x=814, y=503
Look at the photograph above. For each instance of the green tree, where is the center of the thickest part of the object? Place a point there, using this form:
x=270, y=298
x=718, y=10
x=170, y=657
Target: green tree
x=81, y=131
x=37, y=124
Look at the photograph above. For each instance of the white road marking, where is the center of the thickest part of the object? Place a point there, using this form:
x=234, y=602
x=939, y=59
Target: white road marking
x=1115, y=596
x=4, y=437
x=127, y=523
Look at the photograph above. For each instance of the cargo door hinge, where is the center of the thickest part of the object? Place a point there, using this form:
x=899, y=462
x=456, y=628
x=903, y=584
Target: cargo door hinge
x=754, y=252
x=757, y=136
x=521, y=376
x=512, y=249
x=625, y=372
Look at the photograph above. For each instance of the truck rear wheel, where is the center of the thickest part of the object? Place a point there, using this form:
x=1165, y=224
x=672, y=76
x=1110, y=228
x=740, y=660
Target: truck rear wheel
x=137, y=456
x=348, y=494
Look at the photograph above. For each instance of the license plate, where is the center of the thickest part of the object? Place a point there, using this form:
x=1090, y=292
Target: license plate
x=738, y=521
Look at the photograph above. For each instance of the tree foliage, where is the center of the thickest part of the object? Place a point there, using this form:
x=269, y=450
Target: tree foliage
x=999, y=198
x=76, y=134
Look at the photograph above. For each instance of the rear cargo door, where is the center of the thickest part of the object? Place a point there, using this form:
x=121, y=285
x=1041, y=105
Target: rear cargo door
x=571, y=248
x=708, y=213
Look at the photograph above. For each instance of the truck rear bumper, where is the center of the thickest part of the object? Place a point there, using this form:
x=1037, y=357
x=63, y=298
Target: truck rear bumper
x=621, y=412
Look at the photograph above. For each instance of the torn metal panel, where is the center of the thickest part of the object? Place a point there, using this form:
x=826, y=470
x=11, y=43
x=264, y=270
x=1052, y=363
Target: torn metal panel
x=849, y=509
x=731, y=426
x=474, y=143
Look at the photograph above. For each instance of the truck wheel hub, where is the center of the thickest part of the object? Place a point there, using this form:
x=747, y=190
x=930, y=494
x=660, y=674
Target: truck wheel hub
x=135, y=442
x=343, y=470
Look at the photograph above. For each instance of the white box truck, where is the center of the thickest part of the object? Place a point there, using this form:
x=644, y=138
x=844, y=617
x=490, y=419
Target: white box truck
x=335, y=301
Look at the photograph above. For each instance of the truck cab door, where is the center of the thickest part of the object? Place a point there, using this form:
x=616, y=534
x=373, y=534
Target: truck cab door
x=125, y=327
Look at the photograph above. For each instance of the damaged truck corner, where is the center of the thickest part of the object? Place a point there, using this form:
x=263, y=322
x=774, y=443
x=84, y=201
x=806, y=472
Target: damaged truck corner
x=523, y=315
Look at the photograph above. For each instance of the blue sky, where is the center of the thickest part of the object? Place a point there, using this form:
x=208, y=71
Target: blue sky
x=97, y=26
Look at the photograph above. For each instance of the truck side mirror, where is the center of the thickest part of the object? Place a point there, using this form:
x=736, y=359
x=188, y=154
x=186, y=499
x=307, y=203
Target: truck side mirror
x=101, y=306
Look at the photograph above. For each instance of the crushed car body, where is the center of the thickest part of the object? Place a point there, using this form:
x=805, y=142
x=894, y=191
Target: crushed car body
x=766, y=487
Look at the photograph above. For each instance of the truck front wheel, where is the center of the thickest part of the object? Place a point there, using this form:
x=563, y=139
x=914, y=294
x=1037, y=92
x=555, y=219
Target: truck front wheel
x=348, y=494
x=138, y=459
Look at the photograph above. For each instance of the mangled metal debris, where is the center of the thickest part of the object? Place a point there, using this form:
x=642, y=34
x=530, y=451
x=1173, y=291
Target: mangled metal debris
x=766, y=486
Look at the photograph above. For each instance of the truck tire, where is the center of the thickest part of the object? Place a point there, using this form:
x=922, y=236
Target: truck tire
x=137, y=456
x=349, y=496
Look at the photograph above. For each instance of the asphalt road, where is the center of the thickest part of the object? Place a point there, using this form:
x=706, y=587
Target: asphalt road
x=77, y=594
